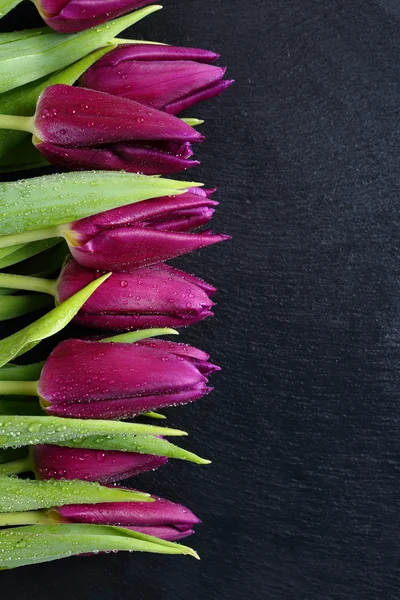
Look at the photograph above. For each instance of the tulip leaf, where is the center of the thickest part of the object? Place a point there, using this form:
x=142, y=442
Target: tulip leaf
x=44, y=264
x=16, y=306
x=18, y=431
x=135, y=336
x=14, y=254
x=143, y=444
x=21, y=372
x=27, y=56
x=50, y=200
x=20, y=342
x=7, y=5
x=20, y=405
x=25, y=494
x=38, y=544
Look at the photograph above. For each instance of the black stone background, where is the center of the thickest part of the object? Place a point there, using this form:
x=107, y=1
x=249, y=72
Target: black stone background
x=302, y=500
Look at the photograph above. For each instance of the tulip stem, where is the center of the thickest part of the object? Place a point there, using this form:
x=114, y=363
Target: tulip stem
x=30, y=517
x=33, y=235
x=18, y=388
x=30, y=284
x=15, y=467
x=19, y=123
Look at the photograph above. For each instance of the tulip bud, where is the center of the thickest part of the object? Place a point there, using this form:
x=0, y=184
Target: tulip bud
x=79, y=129
x=144, y=233
x=96, y=380
x=164, y=77
x=71, y=16
x=157, y=296
x=55, y=462
x=161, y=518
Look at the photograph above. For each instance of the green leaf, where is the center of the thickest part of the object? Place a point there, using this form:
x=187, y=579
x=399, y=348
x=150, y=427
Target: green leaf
x=16, y=306
x=21, y=372
x=21, y=546
x=33, y=204
x=24, y=494
x=20, y=405
x=7, y=5
x=20, y=342
x=16, y=431
x=14, y=254
x=143, y=444
x=26, y=57
x=136, y=336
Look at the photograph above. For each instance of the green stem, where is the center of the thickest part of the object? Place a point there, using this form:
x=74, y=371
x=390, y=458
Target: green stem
x=18, y=123
x=15, y=467
x=30, y=517
x=18, y=388
x=119, y=40
x=33, y=235
x=31, y=284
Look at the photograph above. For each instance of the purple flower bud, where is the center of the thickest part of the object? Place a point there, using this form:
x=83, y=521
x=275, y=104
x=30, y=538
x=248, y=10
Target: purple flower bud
x=156, y=296
x=96, y=380
x=164, y=77
x=70, y=16
x=81, y=129
x=161, y=518
x=144, y=233
x=54, y=462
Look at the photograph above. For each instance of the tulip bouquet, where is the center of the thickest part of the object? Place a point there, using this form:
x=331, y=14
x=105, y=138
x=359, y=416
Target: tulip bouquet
x=89, y=245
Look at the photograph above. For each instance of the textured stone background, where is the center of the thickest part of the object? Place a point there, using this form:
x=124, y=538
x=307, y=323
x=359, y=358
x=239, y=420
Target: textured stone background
x=302, y=500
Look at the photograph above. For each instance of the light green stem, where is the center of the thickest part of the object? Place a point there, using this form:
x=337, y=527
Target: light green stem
x=31, y=284
x=34, y=235
x=18, y=123
x=15, y=467
x=30, y=517
x=18, y=388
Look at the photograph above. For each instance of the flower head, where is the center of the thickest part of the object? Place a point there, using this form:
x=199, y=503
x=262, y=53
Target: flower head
x=164, y=77
x=96, y=380
x=155, y=296
x=79, y=129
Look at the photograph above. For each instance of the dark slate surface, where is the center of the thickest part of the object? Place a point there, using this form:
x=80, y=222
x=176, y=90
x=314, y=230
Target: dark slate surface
x=302, y=499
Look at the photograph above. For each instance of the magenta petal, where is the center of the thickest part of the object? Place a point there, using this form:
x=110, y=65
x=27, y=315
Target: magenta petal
x=71, y=116
x=145, y=213
x=126, y=378
x=70, y=16
x=155, y=83
x=160, y=518
x=156, y=296
x=165, y=532
x=195, y=97
x=177, y=348
x=54, y=462
x=126, y=408
x=127, y=248
x=133, y=158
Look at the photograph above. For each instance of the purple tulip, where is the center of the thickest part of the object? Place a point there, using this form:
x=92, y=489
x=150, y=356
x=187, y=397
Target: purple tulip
x=161, y=518
x=156, y=296
x=144, y=233
x=96, y=380
x=81, y=129
x=70, y=16
x=164, y=77
x=54, y=462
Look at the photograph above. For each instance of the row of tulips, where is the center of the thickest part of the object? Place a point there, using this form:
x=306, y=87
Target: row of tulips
x=95, y=244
